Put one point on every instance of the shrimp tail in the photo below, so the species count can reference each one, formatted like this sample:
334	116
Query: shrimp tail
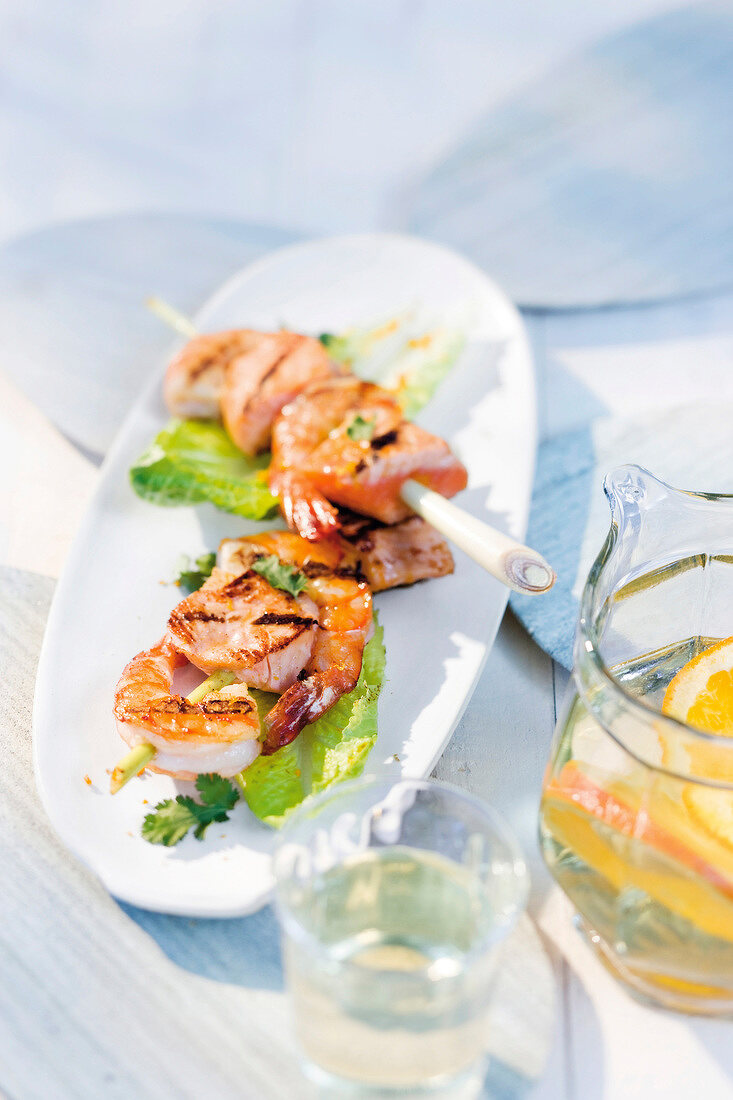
304	507
302	704
288	717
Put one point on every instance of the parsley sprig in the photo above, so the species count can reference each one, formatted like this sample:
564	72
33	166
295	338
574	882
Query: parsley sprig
280	574
191	575
360	428
173	817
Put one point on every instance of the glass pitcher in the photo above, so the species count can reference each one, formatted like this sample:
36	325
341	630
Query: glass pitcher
636	822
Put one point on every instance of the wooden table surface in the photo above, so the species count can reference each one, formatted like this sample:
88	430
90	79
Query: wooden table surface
99	1000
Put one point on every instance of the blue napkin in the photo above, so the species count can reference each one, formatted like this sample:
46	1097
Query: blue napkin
608	180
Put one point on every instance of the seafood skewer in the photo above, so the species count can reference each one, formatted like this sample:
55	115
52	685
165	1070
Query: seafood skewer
308	509
306	647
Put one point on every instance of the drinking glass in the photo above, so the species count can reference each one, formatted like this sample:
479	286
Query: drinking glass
394	899
636	821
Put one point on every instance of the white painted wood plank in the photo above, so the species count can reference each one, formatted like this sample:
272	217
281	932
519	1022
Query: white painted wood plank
635	361
90	1005
499	752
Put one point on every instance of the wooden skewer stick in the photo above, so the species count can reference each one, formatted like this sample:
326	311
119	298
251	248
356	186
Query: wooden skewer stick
139	757
515	565
170	316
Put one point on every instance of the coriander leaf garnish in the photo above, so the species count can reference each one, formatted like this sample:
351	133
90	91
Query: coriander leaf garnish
217	791
191	575
359	428
280	574
171	819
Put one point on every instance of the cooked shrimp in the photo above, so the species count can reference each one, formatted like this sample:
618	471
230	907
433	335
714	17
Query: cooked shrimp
345	441
244	377
344	604
264	378
194	380
219	734
239	622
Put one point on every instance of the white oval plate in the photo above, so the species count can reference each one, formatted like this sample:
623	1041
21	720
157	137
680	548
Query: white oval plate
110	602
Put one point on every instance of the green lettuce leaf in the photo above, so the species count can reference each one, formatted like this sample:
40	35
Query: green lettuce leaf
402	354
194	460
329	750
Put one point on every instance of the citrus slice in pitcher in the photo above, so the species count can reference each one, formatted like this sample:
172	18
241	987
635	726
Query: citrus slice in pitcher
701	694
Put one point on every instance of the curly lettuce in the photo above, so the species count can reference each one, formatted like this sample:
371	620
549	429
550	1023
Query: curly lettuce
191	461
329	750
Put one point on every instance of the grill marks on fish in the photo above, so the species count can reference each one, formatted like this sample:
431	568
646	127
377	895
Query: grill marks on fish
244	378
209	705
202	617
364	550
384	440
279	360
238	621
269	374
344	620
272	619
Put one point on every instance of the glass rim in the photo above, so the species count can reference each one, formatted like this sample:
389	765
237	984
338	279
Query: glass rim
499	930
587	643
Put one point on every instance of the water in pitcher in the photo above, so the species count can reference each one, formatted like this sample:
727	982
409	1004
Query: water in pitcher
645	855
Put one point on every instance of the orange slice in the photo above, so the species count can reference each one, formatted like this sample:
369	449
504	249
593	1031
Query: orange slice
692	877
701	694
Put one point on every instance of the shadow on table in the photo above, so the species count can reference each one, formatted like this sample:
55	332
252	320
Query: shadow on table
504	1083
586	1054
243	950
